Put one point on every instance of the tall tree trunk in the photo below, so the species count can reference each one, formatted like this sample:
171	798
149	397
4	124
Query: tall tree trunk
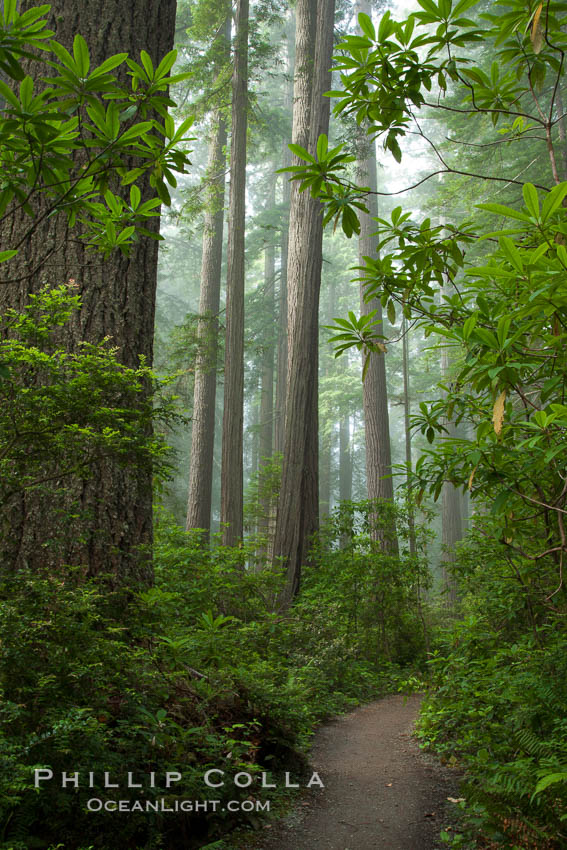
298	513
327	432
113	508
407	433
345	460
379	483
203	434
267	384
253	434
345	479
232	468
281	375
451	513
325	474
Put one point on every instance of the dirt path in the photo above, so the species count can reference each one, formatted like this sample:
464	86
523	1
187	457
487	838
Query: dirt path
380	790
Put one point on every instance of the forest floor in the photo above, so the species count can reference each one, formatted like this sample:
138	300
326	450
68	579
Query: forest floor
380	790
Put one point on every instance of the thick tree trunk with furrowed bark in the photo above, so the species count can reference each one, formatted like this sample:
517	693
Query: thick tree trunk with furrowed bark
112	510
281	374
298	509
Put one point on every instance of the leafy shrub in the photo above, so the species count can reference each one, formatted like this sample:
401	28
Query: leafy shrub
500	700
199	671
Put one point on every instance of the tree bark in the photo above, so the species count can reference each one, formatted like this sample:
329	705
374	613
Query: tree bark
112	509
451	512
407	433
298	510
325	475
281	375
267	380
379	481
203	434
232	439
345	461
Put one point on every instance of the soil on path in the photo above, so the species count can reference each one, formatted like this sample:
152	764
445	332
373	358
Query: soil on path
380	790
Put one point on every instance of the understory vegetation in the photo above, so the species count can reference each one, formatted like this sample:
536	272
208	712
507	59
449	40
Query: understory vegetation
199	672
497	700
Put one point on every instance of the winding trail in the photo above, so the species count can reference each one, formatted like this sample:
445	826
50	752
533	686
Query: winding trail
380	791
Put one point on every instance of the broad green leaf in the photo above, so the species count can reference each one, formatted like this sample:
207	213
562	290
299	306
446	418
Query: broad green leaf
511	253
553	200
531	199
322	147
366	25
302	153
166	64
9	95
63	55
136	131
147	63
469	325
7	255
81	54
109	65
500	209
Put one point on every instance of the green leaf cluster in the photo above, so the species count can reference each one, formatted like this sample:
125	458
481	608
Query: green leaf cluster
79	135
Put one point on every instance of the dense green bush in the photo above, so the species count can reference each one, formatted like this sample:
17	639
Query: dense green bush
499	698
200	671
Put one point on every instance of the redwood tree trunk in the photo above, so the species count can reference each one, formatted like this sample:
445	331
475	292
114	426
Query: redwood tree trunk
112	510
451	512
298	512
232	439
407	433
345	461
203	433
281	374
379	481
267	385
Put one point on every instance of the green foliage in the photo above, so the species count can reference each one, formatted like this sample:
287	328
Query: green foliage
67	147
373	597
62	413
499	701
198	672
84	689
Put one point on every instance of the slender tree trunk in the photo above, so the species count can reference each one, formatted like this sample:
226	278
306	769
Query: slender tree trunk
267	385
451	515
407	432
345	478
112	510
345	460
325	466
281	375
379	481
203	434
232	439
298	510
253	433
